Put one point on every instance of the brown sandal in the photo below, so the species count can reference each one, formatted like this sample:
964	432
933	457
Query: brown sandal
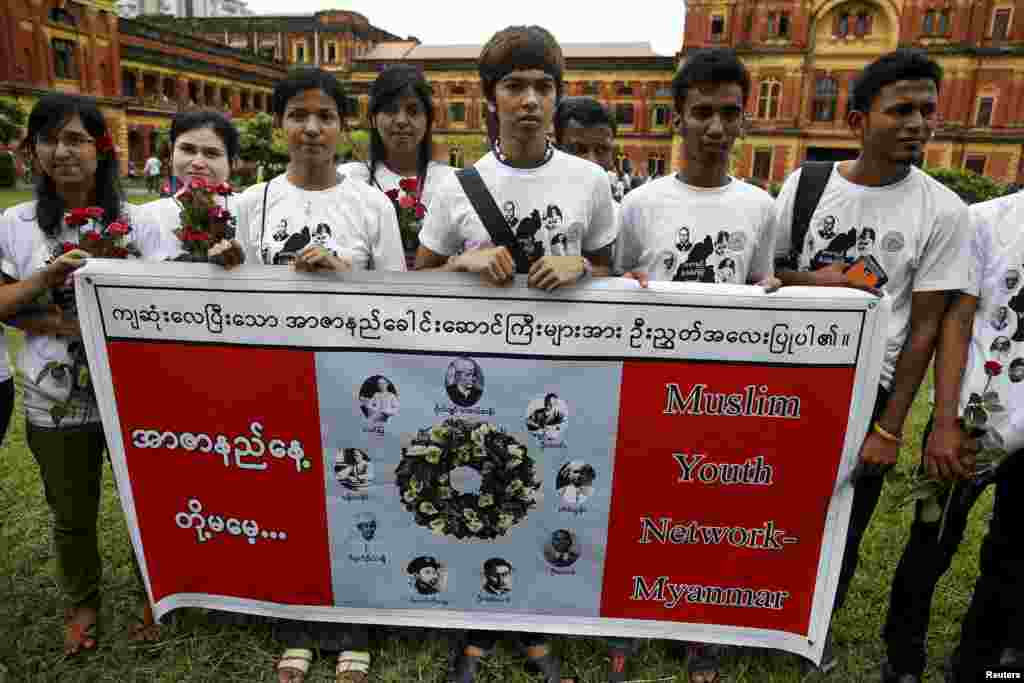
145	629
353	667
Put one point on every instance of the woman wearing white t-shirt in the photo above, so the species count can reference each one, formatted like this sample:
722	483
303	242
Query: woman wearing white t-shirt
69	143
317	220
204	144
401	137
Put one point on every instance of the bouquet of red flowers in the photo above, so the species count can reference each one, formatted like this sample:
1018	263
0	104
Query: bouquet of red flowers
204	223
410	210
100	238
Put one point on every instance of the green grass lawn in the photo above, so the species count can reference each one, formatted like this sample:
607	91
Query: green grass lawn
194	650
12	197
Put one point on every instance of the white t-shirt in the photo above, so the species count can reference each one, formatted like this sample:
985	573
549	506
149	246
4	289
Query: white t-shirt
675	231
917	229
154	236
350	219
152	166
45	361
388	180
997	279
562	208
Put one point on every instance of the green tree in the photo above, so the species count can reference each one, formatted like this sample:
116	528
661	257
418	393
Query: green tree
12	120
970	186
261	143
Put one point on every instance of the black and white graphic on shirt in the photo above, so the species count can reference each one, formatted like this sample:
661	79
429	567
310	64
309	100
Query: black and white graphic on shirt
322	234
511	214
721	243
836	249
1016	305
694	267
683	243
281	234
893	242
725	272
1000	318
866	241
1001	349
827	229
1011	280
1017	370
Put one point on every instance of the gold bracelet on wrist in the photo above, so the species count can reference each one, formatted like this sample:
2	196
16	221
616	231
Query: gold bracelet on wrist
886	434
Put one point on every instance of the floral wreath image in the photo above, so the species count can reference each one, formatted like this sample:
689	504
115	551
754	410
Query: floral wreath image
507	489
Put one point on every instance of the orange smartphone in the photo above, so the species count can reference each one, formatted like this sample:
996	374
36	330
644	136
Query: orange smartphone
866	271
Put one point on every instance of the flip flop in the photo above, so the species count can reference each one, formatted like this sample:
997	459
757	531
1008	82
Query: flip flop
79	638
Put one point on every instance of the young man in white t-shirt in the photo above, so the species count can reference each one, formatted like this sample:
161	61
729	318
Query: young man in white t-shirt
558	207
992	625
152	172
923	232
701	225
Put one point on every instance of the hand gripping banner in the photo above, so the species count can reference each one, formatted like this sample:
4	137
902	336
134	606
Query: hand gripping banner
416	449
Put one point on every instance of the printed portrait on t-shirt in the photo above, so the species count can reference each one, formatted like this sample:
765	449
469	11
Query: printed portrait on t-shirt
866	241
694	267
530	241
725	272
511	214
1016	304
683	243
1000	318
836	250
1016	372
1011	280
1001	348
322	234
721	243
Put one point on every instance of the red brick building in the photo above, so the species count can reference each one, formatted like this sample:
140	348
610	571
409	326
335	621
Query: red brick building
803	57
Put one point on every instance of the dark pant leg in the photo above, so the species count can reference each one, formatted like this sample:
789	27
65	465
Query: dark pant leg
925	559
71	465
998	602
485	640
317	635
6	404
866	491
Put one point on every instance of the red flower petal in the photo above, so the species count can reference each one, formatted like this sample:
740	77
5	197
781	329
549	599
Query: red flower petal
409	185
91	236
119	229
406	202
392	195
68	246
993	368
94	212
421	211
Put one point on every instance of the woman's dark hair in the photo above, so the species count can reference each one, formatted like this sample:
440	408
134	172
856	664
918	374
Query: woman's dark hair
393	83
50	114
899	65
194	120
713	65
308	78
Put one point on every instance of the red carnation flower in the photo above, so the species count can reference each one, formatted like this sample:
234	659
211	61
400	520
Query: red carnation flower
119	252
421	211
68	246
94	212
392	195
198	183
201	236
410	185
406	202
119	228
104	144
223	189
91	236
993	368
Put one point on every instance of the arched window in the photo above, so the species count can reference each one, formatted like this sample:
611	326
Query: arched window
842	27
768	102
826	92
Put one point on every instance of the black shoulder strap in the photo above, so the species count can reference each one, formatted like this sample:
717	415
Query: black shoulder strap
263	221
814	177
490	215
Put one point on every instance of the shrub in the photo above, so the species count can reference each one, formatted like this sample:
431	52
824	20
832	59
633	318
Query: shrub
8	170
970	186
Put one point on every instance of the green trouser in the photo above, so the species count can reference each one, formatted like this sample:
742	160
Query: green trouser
71	465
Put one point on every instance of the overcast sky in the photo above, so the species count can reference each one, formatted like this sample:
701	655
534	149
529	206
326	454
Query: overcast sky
445	22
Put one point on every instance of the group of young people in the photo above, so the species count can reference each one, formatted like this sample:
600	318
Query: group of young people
558	225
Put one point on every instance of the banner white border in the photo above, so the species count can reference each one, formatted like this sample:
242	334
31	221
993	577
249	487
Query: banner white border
100	273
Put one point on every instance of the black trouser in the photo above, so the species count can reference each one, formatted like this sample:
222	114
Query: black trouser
6	404
925	559
867	489
996	613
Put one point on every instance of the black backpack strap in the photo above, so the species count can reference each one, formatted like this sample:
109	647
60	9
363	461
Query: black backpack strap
490	215
263	220
814	177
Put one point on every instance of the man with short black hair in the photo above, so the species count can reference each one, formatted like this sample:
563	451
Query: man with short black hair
585	128
923	232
